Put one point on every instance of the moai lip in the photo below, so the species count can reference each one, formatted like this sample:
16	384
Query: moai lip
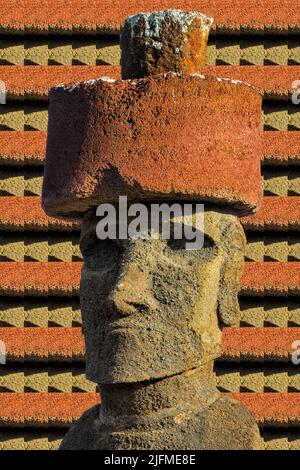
170	40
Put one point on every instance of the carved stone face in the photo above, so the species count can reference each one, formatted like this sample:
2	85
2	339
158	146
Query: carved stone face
152	309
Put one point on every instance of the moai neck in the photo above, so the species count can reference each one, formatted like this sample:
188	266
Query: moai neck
185	392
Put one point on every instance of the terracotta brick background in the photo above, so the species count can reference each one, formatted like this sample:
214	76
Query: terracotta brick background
42	43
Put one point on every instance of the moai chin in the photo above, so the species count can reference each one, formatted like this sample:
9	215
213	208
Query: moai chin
153	312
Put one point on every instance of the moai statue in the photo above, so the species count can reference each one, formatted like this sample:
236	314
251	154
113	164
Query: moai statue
153	312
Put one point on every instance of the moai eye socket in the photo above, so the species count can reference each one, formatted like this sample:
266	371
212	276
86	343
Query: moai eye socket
181	244
101	255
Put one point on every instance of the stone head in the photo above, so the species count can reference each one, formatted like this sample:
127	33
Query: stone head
151	308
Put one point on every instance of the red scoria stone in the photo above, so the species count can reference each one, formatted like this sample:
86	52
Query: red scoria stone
162	137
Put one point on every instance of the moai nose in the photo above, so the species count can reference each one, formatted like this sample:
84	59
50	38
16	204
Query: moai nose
132	292
165	41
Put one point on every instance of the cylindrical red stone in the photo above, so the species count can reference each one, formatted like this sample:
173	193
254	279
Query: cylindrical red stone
163	137
165	41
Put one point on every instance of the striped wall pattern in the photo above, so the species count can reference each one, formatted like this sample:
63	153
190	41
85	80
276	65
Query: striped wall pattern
42	386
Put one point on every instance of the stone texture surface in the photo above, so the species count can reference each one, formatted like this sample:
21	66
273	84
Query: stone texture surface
165	41
181	412
122	143
279	148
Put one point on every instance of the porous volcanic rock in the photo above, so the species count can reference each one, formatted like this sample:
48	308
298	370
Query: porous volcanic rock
167	136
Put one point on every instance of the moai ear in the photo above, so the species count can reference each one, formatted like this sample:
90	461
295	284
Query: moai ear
234	248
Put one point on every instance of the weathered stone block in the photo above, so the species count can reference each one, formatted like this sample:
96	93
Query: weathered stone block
165	137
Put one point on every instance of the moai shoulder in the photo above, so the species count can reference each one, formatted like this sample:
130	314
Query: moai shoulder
224	425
